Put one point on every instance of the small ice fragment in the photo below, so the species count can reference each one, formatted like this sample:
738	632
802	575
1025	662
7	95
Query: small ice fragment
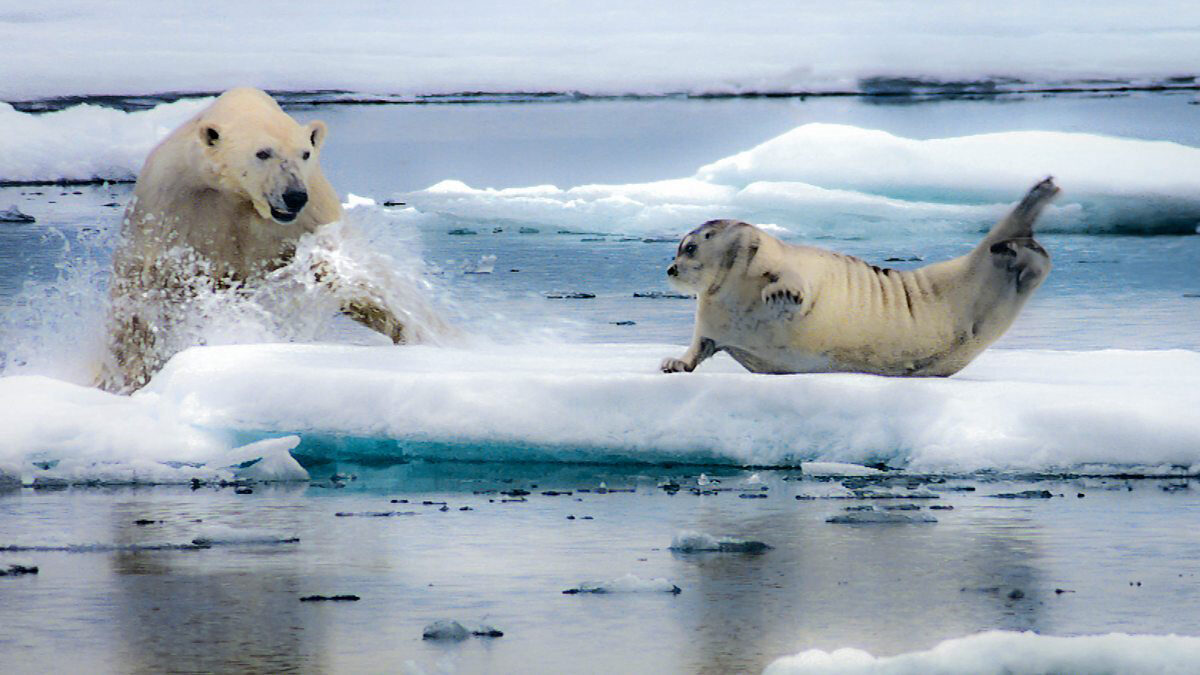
879	517
702	480
445	629
353	200
14	215
689	541
330	598
486	265
484	630
16	569
753	479
836	469
629	583
1024	494
268	460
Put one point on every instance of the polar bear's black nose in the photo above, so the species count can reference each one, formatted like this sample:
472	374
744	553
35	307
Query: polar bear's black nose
295	199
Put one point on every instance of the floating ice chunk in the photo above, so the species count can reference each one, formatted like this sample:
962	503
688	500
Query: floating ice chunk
689	541
837	469
445	629
1010	653
15	215
485	265
879	518
629	583
268	460
831	177
16	568
353	200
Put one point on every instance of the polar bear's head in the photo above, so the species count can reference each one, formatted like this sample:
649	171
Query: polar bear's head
269	159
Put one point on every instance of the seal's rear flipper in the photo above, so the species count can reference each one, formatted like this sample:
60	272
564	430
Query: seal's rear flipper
1018	224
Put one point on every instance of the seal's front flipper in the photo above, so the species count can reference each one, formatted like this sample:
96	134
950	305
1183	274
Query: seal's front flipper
700	349
1019	222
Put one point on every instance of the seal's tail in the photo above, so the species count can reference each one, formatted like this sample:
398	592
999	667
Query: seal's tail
1018	224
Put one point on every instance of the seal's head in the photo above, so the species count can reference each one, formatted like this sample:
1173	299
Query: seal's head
706	254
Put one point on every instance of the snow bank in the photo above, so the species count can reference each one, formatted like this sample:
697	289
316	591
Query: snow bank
79	47
1010	653
1093	412
85	142
828	178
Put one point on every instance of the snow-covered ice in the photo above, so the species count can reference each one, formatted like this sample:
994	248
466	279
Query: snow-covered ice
1010	653
829	178
74	47
814	180
1042	411
85	142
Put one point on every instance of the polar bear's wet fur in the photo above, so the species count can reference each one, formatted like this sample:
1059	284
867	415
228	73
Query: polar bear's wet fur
220	203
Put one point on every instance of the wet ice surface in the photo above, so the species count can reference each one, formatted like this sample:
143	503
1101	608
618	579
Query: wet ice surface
1109	561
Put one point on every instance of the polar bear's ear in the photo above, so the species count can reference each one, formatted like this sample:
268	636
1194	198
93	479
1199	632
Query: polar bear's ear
316	133
210	134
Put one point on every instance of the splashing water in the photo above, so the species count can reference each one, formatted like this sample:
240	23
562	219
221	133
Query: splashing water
57	327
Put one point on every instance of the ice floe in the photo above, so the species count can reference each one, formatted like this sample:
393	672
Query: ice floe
1010	653
820	179
75	47
1100	413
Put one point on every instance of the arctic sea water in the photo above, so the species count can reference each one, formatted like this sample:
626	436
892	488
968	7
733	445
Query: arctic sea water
501	208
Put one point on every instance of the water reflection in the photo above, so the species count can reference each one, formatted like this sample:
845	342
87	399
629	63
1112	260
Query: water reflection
231	609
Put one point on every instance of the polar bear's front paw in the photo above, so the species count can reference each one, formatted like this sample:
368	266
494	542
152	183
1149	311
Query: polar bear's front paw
673	365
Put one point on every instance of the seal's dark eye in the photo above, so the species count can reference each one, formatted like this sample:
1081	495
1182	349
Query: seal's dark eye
690	249
306	155
263	154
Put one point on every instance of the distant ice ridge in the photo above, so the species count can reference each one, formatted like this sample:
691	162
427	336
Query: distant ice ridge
1100	412
1010	653
619	46
821	179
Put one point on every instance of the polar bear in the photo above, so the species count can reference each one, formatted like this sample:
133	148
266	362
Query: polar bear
220	203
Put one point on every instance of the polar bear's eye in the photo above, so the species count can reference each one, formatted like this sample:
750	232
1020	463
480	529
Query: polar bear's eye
306	155
263	154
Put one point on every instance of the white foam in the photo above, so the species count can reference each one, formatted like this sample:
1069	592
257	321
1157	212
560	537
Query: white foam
79	47
1010	653
836	179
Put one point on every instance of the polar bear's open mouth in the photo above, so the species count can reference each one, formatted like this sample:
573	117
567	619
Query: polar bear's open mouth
283	216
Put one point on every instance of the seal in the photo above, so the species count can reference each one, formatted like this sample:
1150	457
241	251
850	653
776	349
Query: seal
781	308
